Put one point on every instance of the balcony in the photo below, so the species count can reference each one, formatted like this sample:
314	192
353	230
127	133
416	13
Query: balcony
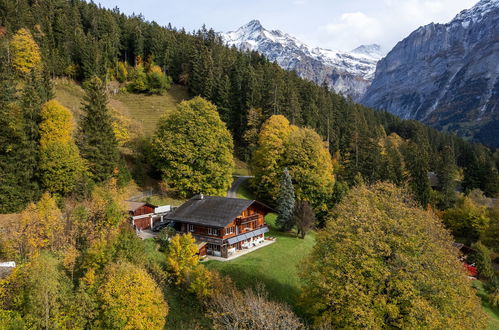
244	220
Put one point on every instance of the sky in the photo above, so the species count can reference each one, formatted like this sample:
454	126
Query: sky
333	24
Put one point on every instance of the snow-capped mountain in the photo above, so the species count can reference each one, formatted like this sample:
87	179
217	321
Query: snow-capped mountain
446	75
349	73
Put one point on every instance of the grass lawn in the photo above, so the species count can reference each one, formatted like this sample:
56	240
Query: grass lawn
493	312
276	266
244	191
240	168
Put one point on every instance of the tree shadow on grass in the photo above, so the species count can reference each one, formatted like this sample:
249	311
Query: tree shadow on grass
279	292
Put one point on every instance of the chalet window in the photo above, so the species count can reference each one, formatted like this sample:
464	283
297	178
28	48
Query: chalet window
229	231
190	227
212	231
213	247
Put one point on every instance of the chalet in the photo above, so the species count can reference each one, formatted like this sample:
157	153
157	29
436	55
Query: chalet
224	224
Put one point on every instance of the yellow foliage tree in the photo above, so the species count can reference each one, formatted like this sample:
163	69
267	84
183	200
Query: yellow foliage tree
131	299
267	159
25	52
383	263
302	151
60	163
181	257
40	225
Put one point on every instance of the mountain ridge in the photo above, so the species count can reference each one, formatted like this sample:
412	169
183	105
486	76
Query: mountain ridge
445	75
348	73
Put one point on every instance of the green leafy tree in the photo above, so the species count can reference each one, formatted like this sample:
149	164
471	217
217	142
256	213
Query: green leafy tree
41	292
130	299
481	257
193	149
285	202
311	167
97	142
467	219
60	163
383	262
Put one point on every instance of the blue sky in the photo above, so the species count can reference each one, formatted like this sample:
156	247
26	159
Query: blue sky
334	24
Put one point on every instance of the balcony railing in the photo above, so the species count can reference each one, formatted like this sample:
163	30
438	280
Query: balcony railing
250	218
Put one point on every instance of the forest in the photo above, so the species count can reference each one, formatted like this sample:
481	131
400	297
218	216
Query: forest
318	158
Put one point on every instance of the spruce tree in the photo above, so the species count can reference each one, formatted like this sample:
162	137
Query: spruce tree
97	141
285	202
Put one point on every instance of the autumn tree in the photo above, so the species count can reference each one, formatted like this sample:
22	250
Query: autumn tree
26	54
41	293
384	262
267	159
311	167
181	257
285	202
40	226
97	141
130	299
303	217
303	152
60	163
193	149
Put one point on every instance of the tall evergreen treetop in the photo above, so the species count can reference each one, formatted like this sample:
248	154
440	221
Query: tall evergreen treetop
97	142
286	202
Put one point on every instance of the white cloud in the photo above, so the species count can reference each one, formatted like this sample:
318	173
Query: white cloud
353	29
388	22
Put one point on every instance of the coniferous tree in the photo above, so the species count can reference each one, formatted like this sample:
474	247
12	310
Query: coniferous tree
417	164
447	173
97	142
285	202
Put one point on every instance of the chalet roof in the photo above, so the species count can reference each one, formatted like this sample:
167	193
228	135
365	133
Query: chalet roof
211	210
133	206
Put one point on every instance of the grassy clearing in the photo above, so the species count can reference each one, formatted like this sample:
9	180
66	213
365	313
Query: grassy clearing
493	312
240	168
144	109
276	266
147	109
244	191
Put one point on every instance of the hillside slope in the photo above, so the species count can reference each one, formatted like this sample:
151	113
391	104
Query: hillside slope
446	75
143	109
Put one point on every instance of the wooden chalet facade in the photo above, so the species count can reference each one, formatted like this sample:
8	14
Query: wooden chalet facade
224	224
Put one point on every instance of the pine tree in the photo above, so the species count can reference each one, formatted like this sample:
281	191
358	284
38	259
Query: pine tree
285	202
446	173
97	142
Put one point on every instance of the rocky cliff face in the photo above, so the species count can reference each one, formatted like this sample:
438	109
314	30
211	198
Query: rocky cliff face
446	75
348	73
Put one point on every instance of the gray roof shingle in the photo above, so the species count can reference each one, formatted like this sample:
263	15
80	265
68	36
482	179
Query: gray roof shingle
211	211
